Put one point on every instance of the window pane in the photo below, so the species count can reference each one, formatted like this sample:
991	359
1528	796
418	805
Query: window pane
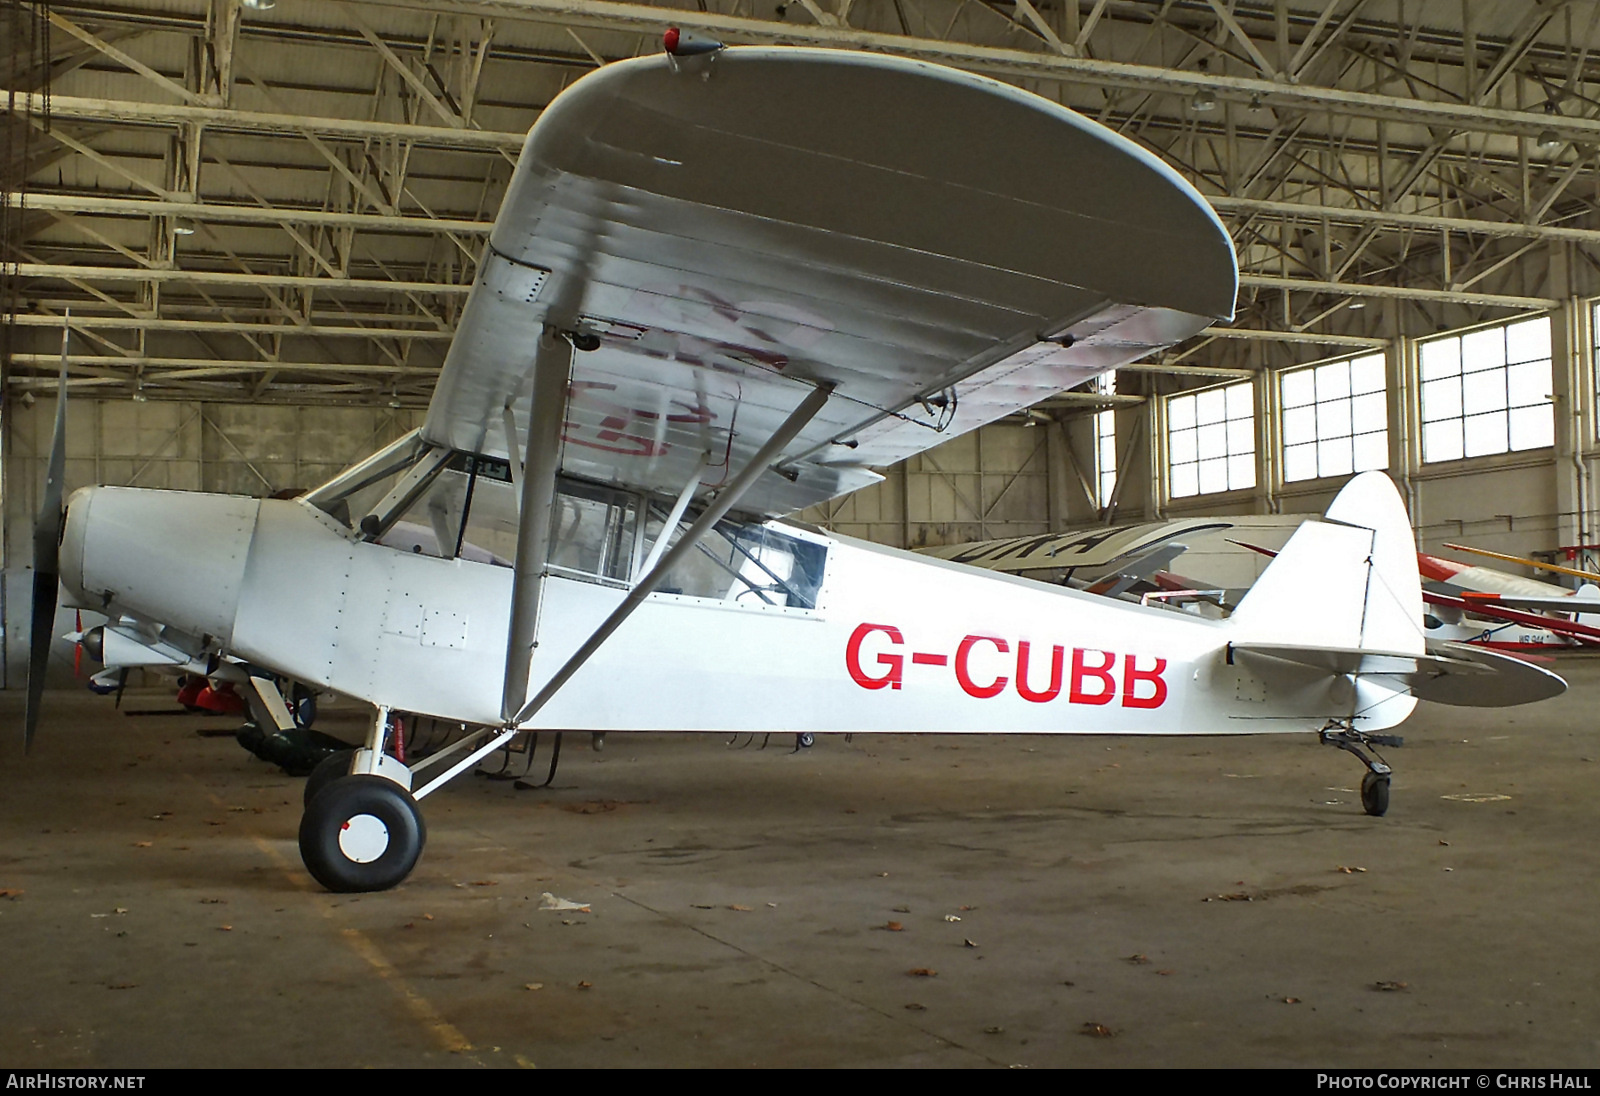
1299	388
1333	419
1299	462
1333	381
1210	407
1528	383
1242	472
1185	480
1484	434
1483	349
1441	399
1484	391
1440	358
1213	475
1371	451
1367	374
1241	400
1441	440
1528	340
1299	425
1180	412
1213	441
1334	458
1369	413
1533	427
1183	447
1241	436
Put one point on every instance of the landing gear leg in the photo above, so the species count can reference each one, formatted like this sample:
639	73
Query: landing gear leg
1375	782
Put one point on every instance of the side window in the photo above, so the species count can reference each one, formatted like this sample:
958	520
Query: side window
470	509
745	564
596	531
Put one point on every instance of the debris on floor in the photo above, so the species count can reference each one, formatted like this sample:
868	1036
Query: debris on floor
548	901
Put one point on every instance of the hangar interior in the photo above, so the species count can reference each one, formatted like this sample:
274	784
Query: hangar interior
263	217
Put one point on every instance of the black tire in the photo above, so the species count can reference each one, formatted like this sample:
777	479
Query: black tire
330	844
328	770
1375	794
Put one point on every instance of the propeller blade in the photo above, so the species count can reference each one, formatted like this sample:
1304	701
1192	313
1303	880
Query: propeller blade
46	555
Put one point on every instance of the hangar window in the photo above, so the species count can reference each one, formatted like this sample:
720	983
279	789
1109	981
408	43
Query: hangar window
1211	441
1105	443
1335	419
1487	391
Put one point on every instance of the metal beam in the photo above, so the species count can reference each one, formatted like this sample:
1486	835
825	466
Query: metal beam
1364	289
80	108
219	277
225	327
1392	219
642	19
213	366
381	222
1264	335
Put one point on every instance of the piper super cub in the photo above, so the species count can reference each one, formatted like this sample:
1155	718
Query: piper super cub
723	285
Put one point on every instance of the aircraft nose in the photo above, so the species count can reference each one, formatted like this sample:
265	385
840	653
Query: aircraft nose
169	557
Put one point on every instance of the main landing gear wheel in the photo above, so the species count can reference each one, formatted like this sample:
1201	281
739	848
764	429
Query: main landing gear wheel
1375	794
361	833
328	770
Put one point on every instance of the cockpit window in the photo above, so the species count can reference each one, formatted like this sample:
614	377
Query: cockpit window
746	564
418	498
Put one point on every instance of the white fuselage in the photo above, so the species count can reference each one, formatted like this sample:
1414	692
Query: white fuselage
897	642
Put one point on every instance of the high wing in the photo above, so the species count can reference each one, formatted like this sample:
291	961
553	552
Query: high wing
734	229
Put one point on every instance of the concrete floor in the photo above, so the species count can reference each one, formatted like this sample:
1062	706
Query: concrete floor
1190	897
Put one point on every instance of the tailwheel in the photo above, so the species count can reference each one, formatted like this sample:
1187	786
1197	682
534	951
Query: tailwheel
361	833
1375	781
1375	793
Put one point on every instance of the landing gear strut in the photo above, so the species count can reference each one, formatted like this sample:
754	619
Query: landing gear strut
1375	782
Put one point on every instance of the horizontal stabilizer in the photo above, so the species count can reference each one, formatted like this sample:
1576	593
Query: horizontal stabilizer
1453	673
1514	681
1357	660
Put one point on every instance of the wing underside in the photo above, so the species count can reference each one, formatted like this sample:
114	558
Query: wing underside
737	228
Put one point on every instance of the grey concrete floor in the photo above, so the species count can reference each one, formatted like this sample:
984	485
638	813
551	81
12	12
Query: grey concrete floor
1214	902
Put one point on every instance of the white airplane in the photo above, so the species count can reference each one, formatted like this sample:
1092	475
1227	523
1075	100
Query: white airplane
723	283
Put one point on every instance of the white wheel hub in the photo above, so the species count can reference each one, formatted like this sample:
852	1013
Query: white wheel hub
363	838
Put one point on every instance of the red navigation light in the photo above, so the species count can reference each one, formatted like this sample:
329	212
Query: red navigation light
670	40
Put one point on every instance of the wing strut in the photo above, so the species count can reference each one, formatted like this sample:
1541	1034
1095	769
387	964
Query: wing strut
760	463
676	516
552	365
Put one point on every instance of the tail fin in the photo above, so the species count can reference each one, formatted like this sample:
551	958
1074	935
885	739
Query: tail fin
1348	581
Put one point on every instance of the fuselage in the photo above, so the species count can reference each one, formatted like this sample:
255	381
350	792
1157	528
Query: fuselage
890	641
